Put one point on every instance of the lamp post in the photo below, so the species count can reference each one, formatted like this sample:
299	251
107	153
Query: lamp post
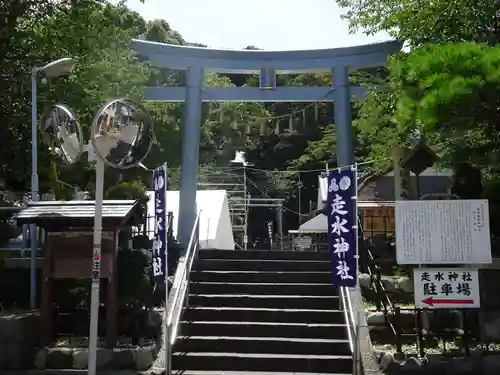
240	159
299	188
56	68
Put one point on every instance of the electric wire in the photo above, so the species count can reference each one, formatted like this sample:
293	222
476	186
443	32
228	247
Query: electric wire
291	113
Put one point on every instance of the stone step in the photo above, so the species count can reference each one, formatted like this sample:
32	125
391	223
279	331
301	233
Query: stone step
261	362
261	276
309	289
272	345
266	301
262	265
246	314
264	255
263	329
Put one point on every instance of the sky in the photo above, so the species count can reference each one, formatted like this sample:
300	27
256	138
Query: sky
267	24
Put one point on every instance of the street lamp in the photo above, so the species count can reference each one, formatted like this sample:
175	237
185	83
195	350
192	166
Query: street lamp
56	68
240	159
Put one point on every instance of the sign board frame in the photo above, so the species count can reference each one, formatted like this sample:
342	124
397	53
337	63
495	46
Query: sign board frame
446	288
443	232
267	78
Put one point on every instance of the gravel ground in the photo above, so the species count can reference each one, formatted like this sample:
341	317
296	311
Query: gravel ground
160	360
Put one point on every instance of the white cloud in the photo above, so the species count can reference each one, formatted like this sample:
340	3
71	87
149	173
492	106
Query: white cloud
267	24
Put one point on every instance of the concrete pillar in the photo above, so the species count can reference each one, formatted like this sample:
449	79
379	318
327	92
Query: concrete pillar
190	154
342	116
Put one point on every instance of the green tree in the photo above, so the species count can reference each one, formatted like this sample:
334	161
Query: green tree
96	34
450	92
420	22
438	90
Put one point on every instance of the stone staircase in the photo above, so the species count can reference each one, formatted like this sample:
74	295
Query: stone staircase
262	311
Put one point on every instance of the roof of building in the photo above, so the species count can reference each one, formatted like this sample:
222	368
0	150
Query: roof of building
64	214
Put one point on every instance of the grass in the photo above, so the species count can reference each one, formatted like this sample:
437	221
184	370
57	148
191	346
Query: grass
451	347
370	305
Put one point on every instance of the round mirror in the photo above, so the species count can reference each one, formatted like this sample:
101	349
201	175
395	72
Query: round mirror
122	133
62	133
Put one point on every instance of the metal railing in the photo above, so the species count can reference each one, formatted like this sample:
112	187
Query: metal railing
383	301
178	295
352	330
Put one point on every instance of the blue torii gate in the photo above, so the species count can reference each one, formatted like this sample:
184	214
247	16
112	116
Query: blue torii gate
196	61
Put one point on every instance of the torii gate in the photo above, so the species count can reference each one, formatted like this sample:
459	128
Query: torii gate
197	60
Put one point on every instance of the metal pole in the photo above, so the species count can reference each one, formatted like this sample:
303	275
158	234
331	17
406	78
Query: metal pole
34	186
245	227
356	216
166	335
280	213
300	205
96	266
166	332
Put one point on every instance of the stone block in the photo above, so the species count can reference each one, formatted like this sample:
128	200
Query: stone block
41	359
155	318
491	365
17	356
60	358
3	356
405	284
80	359
412	365
376	318
389	283
365	280
390	362
124	359
19	328
104	359
144	359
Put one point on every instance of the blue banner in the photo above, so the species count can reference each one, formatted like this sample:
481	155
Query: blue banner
159	258
342	225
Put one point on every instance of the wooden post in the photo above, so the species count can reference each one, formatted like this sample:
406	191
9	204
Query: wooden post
46	331
112	294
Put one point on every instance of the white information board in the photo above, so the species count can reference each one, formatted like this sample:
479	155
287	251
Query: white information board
443	232
446	288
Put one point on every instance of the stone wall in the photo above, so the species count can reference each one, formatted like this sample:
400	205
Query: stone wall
124	357
140	358
437	364
18	340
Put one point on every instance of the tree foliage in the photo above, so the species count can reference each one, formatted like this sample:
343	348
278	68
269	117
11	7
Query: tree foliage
444	89
422	22
450	91
97	34
444	92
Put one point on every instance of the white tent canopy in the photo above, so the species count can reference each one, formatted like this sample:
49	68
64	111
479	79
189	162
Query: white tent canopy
318	224
216	231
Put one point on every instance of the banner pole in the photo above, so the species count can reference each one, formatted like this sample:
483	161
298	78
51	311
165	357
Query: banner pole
165	325
159	256
356	218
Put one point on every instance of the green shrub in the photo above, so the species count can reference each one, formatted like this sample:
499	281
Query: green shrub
132	190
129	190
7	229
134	285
